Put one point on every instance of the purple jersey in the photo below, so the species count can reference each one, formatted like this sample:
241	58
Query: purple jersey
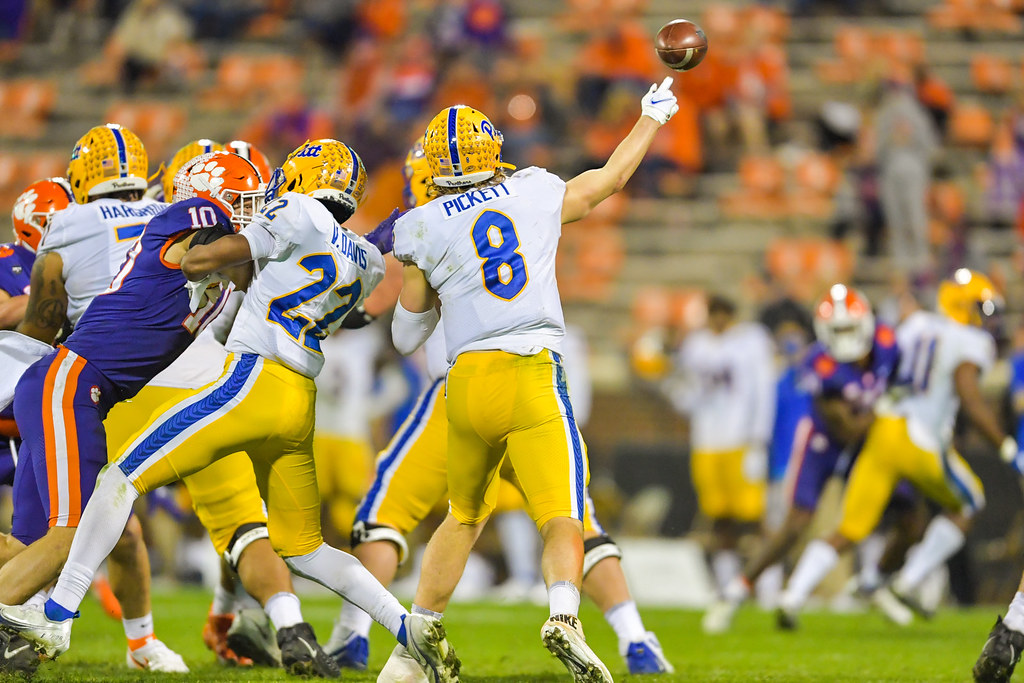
142	322
15	267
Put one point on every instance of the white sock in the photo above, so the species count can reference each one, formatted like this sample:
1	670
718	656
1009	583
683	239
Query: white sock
769	587
737	590
416	609
818	559
139	628
624	618
520	545
98	532
283	610
725	565
37	601
869	553
223	601
941	540
564	598
1014	618
344	575
353	620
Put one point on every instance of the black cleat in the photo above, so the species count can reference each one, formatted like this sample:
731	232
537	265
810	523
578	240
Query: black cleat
785	620
301	655
250	635
914	604
1000	654
19	657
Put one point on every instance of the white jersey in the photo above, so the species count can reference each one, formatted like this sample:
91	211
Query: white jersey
202	361
92	240
932	347
490	255
311	273
729	387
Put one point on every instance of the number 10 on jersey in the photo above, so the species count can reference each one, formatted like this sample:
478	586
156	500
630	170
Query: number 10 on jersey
497	243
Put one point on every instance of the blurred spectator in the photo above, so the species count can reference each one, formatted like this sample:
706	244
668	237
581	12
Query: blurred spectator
150	41
934	95
838	124
222	19
906	144
458	26
617	53
288	121
13	20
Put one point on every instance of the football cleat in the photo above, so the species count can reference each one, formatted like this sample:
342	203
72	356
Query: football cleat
349	649
891	606
1000	655
563	636
718	618
18	656
301	655
646	657
914	604
156	656
402	668
215	637
428	645
50	638
107	159
251	637
785	620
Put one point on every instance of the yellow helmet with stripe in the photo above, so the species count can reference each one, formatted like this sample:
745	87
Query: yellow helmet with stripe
417	176
325	169
107	159
181	157
969	297
462	147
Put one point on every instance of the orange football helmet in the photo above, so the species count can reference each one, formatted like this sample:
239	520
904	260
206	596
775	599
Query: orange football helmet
32	210
844	323
226	179
249	151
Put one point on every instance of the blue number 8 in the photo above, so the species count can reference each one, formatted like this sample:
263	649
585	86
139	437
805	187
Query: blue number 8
503	269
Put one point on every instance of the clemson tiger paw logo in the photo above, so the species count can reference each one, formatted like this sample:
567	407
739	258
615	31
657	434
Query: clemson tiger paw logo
94	393
207	177
26	205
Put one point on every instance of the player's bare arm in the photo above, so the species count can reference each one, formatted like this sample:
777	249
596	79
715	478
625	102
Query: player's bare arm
12	310
968	388
229	256
590	188
47	307
845	422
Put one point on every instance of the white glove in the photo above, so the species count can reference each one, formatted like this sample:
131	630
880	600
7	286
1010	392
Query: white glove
1008	449
197	291
755	463
660	102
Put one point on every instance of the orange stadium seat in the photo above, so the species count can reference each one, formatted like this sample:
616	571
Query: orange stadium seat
971	125
991	73
817	176
17	171
239	79
805	266
26	106
158	124
902	47
688	309
761	192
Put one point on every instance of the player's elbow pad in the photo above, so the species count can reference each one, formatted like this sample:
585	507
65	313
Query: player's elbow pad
410	330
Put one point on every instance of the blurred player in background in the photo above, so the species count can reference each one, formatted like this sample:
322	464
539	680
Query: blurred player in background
487	243
942	356
81	249
727	388
846	371
264	401
411	479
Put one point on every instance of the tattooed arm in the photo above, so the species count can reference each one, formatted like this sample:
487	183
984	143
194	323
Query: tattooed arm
47	300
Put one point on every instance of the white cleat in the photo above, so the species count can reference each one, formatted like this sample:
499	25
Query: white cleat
156	656
402	668
51	638
563	637
718	618
426	642
891	606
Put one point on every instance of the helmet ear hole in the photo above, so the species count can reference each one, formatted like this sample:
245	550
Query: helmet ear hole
292	184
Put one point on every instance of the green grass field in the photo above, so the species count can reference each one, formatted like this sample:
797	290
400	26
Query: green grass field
500	643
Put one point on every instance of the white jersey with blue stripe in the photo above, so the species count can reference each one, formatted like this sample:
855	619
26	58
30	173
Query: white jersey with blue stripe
490	255
92	240
316	272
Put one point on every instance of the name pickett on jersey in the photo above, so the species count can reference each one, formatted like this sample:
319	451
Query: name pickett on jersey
456	204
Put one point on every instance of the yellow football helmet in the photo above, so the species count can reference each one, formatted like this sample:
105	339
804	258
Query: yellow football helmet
417	175
183	155
109	158
462	147
325	169
969	297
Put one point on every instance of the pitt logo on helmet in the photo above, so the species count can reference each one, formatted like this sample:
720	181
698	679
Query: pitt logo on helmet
309	151
462	147
326	169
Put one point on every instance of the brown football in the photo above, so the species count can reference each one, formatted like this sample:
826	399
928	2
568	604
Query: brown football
681	44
